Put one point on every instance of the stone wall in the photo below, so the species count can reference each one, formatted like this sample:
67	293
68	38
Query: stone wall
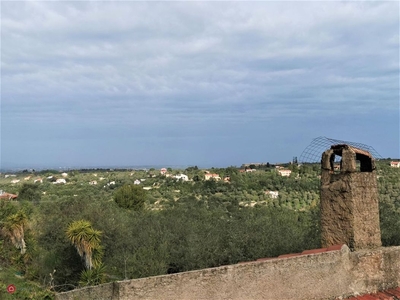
325	275
364	189
108	291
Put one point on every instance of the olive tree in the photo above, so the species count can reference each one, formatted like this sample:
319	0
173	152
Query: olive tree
130	196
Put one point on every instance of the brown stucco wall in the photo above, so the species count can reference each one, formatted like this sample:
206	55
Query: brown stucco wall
326	275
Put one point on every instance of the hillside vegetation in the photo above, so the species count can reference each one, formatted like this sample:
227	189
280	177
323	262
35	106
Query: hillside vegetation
107	225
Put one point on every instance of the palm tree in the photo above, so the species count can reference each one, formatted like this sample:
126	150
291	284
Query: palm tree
13	228
86	241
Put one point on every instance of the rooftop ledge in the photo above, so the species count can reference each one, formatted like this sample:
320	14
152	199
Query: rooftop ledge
327	273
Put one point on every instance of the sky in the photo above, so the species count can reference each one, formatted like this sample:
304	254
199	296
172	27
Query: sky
184	83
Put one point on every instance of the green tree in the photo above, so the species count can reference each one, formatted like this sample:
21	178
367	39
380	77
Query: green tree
130	196
389	223
29	192
86	241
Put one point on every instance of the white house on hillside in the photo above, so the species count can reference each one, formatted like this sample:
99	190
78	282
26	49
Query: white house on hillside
272	194
60	180
182	177
284	172
395	164
214	176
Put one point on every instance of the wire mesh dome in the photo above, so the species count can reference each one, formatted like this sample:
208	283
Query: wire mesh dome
313	152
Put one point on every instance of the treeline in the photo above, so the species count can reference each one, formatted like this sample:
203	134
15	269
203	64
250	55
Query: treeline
189	235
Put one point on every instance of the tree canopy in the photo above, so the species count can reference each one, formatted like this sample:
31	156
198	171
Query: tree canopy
130	196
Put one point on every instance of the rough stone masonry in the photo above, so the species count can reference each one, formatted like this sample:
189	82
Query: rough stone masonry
349	199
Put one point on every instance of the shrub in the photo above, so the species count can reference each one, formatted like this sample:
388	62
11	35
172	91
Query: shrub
130	196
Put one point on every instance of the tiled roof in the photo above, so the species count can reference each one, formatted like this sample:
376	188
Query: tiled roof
8	196
391	294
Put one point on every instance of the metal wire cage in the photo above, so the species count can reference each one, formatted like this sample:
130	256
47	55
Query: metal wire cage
313	152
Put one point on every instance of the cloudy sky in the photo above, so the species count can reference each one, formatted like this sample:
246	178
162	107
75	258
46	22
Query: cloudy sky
97	83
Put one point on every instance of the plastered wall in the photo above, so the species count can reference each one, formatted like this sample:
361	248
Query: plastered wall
326	275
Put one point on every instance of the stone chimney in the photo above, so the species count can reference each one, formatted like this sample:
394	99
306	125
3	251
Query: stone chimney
349	199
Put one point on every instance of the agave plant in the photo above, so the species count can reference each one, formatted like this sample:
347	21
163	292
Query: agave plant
93	276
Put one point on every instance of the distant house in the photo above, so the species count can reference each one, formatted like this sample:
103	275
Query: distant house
251	170
227	179
110	183
272	194
182	177
60	180
27	178
163	171
395	164
214	176
64	174
15	181
38	180
93	182
284	172
7	196
137	181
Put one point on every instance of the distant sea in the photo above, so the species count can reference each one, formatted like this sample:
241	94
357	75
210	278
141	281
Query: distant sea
30	168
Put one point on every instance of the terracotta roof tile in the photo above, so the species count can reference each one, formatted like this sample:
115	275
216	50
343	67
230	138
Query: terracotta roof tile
394	292
289	255
384	296
391	294
335	247
367	297
314	251
305	252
